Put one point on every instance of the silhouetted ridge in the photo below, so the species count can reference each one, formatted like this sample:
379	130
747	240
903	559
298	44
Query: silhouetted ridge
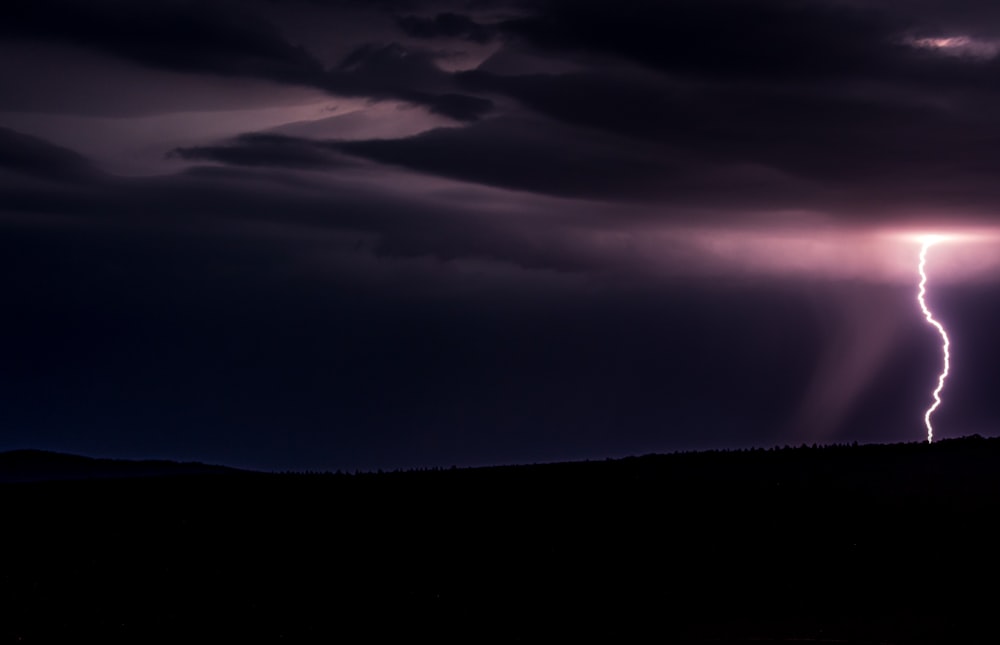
889	544
42	465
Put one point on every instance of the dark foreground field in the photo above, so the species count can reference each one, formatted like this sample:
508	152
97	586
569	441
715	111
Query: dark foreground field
869	544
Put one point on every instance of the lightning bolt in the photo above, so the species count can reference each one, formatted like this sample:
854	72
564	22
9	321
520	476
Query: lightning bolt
928	242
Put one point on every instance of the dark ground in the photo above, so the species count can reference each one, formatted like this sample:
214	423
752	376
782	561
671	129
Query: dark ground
864	544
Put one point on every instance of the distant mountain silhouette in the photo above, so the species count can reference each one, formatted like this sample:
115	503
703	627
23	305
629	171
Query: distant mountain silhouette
42	465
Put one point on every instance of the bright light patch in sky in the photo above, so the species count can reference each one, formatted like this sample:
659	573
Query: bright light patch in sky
929	241
869	256
958	46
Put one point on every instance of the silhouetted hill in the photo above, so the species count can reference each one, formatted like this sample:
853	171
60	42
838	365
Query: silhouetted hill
884	544
41	465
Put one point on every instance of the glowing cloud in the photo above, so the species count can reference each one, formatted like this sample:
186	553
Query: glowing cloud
958	46
927	242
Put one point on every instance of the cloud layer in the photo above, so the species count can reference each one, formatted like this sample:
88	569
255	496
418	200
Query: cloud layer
568	224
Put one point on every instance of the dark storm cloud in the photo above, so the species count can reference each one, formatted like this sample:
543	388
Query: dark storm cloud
27	155
385	223
393	71
814	133
521	156
836	97
526	155
730	153
209	37
265	150
776	39
460	107
795	44
448	25
826	90
722	104
879	164
769	104
228	39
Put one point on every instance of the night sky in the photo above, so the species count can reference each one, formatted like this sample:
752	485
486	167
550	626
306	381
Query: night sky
334	234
